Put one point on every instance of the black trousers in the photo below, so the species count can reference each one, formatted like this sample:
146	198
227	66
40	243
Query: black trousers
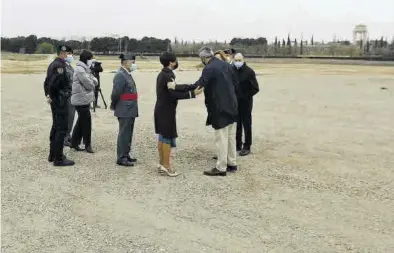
83	126
244	123
58	133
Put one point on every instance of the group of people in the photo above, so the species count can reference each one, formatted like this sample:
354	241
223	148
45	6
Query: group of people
67	90
227	82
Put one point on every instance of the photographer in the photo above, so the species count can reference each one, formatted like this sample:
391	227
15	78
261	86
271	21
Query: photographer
96	69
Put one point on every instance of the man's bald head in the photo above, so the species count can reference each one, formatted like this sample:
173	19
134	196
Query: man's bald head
238	57
238	60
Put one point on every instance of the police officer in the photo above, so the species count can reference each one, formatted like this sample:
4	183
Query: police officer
57	92
124	102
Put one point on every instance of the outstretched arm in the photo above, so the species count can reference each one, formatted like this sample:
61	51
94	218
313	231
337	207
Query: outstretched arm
203	81
182	94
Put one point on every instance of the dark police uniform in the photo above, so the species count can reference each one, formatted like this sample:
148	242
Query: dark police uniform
56	86
125	104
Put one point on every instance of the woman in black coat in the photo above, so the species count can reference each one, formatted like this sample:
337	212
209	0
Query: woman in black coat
168	93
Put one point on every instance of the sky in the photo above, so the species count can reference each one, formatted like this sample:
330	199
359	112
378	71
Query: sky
201	20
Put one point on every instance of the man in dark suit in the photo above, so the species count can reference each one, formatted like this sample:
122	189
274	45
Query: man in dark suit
220	85
248	87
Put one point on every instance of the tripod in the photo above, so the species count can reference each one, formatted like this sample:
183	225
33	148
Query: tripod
102	97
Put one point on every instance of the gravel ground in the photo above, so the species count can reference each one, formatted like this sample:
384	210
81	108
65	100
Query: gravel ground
320	179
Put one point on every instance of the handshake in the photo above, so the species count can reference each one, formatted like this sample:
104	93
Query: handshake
196	90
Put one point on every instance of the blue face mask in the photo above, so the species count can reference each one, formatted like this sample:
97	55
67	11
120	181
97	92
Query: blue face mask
69	58
238	64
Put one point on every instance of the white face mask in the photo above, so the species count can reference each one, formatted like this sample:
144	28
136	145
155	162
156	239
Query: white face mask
89	63
133	67
69	58
238	64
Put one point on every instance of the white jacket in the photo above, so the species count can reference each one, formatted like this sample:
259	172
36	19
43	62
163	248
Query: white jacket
83	85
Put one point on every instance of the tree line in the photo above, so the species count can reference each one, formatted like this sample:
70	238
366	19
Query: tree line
249	46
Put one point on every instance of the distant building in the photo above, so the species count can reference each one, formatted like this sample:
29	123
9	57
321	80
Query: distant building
360	34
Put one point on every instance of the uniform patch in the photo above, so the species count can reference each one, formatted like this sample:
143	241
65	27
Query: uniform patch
60	70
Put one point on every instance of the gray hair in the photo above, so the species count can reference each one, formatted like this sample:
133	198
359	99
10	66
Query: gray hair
205	52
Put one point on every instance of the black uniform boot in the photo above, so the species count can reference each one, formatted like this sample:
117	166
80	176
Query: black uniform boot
63	162
124	162
132	160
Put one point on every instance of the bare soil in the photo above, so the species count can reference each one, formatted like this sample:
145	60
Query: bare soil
320	177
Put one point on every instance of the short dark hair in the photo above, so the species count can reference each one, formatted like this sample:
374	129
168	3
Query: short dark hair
166	58
85	56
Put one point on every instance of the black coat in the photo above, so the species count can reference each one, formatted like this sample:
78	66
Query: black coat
248	85
57	86
166	103
220	89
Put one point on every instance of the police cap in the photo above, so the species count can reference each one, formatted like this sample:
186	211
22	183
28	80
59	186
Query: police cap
126	57
64	48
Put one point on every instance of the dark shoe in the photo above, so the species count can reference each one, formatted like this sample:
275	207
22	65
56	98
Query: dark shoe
124	162
215	172
51	158
132	160
63	162
77	148
215	157
89	150
244	152
67	144
232	168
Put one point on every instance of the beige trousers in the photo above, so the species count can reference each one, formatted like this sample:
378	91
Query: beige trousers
225	140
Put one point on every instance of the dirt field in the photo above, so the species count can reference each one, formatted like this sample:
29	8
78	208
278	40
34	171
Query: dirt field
320	179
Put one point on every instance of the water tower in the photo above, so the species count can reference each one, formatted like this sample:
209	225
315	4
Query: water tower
360	33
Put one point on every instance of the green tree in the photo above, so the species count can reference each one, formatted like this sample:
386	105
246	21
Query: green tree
45	48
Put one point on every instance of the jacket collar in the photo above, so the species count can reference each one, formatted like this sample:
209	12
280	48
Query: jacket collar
124	70
82	64
167	70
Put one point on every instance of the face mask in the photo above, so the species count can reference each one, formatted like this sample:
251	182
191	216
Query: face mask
238	64
69	58
89	63
133	67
